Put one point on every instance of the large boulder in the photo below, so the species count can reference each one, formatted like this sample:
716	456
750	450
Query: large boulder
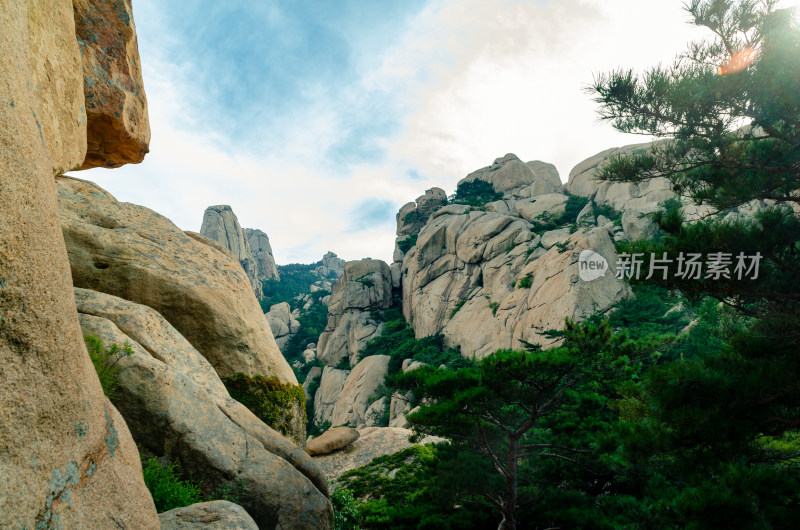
178	409
116	105
330	387
331	440
372	443
221	225
67	458
362	382
282	323
134	253
515	179
262	253
213	515
365	286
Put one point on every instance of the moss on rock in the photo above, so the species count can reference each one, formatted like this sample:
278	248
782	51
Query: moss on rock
282	406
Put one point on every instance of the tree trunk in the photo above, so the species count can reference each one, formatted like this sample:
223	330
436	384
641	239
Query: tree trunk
509	521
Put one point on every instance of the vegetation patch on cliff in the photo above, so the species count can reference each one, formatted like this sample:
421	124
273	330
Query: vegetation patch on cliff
275	403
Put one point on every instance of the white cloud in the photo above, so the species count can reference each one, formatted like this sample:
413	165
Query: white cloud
473	79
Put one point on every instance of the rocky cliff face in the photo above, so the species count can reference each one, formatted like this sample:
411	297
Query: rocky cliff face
261	251
132	252
221	225
364	286
492	277
67	458
178	409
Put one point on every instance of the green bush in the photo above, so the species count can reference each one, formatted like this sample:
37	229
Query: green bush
273	402
526	282
366	281
316	430
493	306
296	279
476	193
345	510
407	244
105	363
397	340
575	203
167	488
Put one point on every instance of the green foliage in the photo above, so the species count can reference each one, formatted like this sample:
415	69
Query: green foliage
493	306
408	243
345	515
366	281
526	282
105	362
575	203
546	222
343	364
167	488
316	430
697	428
401	491
312	323
296	279
652	310
606	211
476	193
275	403
232	492
524	409
397	340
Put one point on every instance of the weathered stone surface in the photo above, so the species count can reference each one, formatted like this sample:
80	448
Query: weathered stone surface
314	376
551	205
463	277
332	266
116	105
262	252
67	458
364	286
221	225
55	82
214	515
331	440
363	381
373	442
282	323
330	386
414	215
178	409
134	253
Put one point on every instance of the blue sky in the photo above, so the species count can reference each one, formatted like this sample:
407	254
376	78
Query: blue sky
317	120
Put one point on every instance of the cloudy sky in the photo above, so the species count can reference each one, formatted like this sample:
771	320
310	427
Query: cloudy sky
317	120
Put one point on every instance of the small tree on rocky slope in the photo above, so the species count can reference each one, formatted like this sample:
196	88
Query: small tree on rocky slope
497	413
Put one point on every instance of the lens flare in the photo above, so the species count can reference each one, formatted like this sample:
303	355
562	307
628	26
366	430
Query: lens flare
739	61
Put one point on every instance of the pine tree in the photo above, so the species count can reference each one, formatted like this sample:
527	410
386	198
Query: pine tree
728	111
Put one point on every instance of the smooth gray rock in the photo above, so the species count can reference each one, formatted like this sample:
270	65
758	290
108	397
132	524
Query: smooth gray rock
212	515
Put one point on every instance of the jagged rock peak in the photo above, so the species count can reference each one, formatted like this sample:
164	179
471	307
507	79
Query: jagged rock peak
262	253
516	179
221	225
332	266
